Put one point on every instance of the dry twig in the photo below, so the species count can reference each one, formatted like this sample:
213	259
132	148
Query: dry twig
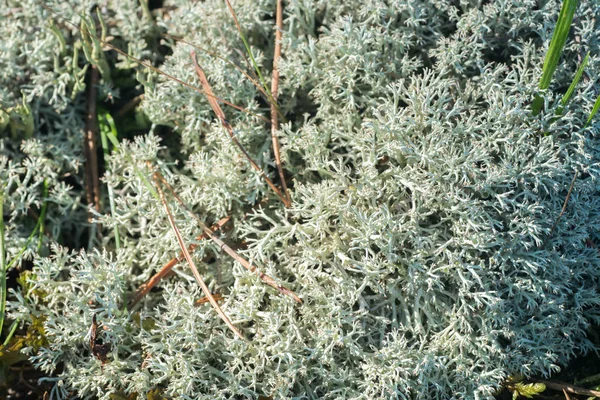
274	94
190	262
164	271
212	100
564	207
252	268
130	105
205	299
147	64
216	55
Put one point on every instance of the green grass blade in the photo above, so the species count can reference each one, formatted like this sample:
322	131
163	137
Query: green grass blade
108	129
254	63
39	227
567	97
557	44
248	50
594	111
13	328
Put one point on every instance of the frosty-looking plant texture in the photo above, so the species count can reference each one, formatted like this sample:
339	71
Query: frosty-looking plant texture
422	236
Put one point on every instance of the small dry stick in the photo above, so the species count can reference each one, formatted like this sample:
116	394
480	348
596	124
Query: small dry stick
90	150
569	388
212	100
190	262
204	299
564	207
264	277
153	281
274	92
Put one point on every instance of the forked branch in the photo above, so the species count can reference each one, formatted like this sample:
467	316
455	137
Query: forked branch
164	271
209	233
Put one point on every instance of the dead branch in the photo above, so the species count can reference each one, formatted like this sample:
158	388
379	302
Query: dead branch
190	262
164	271
212	100
232	253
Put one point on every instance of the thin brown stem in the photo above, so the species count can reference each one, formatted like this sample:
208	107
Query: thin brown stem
204	299
164	271
232	253
569	388
274	94
90	145
212	100
190	262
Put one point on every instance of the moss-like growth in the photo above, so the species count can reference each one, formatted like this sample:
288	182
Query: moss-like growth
422	237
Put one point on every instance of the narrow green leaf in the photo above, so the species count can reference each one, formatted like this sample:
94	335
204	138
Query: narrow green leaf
557	44
270	99
13	328
22	249
249	50
567	97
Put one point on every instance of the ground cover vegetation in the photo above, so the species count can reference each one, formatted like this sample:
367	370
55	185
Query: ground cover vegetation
298	199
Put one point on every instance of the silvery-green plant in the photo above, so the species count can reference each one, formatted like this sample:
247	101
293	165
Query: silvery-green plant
422	237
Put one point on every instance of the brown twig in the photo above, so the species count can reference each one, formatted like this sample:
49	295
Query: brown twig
274	94
564	207
190	262
164	271
569	388
205	299
232	253
90	145
212	100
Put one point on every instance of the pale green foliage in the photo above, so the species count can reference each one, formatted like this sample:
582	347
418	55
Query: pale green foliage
424	193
